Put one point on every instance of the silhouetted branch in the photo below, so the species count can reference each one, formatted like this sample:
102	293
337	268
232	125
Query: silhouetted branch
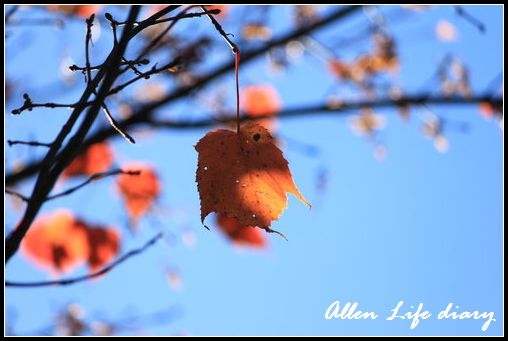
323	109
219	29
54	162
11	12
93	177
469	18
146	75
78	279
74	67
29	143
187	15
16	194
116	125
29	105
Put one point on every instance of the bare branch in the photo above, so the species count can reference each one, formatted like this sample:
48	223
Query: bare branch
101	272
29	105
54	162
146	75
16	194
115	124
93	177
323	109
469	18
29	143
219	29
139	62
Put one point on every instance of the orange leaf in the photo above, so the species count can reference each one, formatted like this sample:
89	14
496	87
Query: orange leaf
55	243
486	110
138	191
96	159
244	176
339	69
104	246
241	235
259	100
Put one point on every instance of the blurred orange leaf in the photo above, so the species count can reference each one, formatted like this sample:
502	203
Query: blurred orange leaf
445	31
244	176
59	242
55	243
241	235
139	191
104	245
486	110
83	11
260	100
338	68
96	159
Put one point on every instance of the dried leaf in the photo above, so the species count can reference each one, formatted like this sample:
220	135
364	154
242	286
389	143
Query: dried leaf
240	235
244	176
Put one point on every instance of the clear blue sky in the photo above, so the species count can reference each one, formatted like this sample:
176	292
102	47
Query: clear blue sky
421	226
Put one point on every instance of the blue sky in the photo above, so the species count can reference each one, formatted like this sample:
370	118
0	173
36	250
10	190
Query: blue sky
419	227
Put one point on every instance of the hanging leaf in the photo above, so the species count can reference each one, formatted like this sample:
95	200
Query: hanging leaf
244	176
55	243
249	236
140	191
96	159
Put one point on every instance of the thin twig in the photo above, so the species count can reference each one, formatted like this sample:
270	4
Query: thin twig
115	124
187	15
138	62
78	279
92	178
323	109
29	105
29	143
145	75
157	39
16	194
469	18
219	29
236	52
88	38
177	17
10	13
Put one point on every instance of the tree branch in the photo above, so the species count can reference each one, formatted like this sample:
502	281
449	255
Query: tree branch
54	163
324	109
93	177
144	113
101	272
29	143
